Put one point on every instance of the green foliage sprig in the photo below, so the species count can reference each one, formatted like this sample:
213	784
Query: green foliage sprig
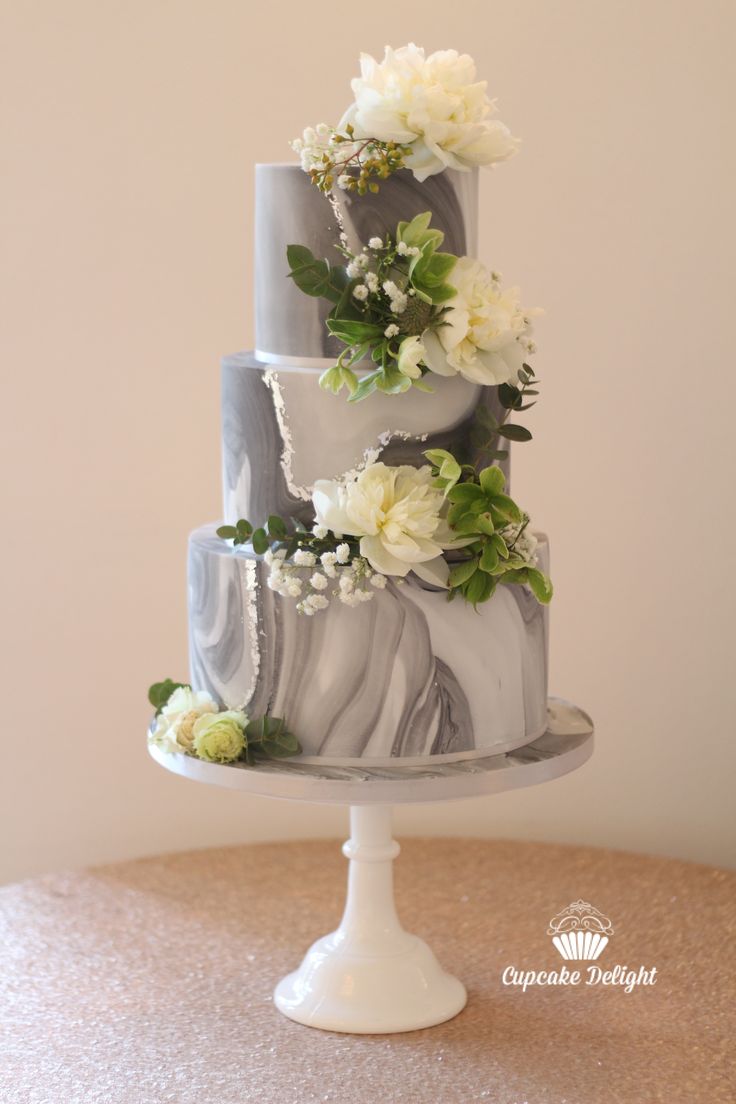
481	511
277	533
408	272
487	429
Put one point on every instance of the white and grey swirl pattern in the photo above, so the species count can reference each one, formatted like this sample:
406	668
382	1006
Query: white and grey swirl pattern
281	432
406	675
289	209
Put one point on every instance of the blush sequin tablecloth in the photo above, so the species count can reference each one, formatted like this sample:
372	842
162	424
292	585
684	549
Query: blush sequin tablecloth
150	982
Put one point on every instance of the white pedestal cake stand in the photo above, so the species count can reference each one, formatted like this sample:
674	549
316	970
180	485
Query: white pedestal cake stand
371	976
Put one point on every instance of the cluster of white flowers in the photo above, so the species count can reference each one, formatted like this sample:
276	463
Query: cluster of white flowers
521	541
315	142
336	578
357	266
376	243
405	250
397	297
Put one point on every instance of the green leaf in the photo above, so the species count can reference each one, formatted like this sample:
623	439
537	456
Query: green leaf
244	528
465	492
299	256
489	559
260	541
461	572
433	270
485	525
541	585
353	333
492	480
270	736
507	508
514	432
479	588
500	545
160	692
366	386
276	528
227	532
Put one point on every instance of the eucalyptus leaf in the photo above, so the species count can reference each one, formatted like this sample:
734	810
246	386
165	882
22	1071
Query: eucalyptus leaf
514	432
260	541
227	532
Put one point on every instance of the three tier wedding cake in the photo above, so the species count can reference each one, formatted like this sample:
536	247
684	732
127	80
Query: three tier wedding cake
374	595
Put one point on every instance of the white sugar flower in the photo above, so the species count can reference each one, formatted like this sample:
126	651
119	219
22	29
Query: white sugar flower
485	331
294	588
371	281
398	303
378	581
432	103
303	558
343	553
346	584
375	243
396	513
360	291
391	330
319	582
319	531
174	730
411	353
390	288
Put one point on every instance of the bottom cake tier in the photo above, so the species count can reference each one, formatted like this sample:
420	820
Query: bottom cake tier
407	676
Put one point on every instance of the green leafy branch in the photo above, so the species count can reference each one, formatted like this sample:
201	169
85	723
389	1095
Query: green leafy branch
487	429
278	533
410	261
481	511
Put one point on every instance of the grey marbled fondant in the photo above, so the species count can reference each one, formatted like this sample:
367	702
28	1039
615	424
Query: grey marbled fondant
290	209
281	432
406	675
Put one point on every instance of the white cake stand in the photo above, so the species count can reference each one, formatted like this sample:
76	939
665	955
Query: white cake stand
370	976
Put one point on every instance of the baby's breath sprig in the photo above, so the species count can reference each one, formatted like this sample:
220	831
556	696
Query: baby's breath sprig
335	158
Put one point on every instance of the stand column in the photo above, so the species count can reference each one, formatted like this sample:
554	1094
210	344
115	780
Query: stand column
370	976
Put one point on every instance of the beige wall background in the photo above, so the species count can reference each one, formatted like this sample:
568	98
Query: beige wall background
129	133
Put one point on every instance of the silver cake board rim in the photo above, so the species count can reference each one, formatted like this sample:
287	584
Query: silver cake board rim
566	745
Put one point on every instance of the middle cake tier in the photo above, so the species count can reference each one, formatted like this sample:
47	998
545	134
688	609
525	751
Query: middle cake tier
406	676
281	432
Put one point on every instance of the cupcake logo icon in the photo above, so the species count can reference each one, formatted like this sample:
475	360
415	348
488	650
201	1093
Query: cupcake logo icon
580	932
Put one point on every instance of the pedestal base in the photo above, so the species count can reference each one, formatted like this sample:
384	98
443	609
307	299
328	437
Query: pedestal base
370	976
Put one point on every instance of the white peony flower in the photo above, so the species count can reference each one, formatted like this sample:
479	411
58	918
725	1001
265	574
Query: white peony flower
411	353
397	514
174	731
485	335
432	103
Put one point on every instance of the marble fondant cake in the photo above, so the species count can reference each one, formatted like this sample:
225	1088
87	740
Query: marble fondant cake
365	450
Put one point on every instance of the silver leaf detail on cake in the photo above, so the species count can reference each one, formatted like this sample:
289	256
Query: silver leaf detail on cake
405	675
281	433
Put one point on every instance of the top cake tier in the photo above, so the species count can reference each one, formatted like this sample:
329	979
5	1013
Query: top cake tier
289	209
